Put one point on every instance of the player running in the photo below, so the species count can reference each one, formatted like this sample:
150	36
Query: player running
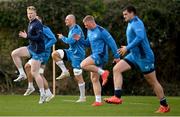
99	40
140	56
75	54
50	39
35	50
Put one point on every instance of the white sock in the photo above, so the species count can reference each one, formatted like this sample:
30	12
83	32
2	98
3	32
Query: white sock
42	92
98	98
82	90
48	92
61	65
30	85
21	71
100	71
117	88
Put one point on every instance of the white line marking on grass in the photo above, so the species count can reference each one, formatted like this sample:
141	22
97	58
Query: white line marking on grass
68	100
137	103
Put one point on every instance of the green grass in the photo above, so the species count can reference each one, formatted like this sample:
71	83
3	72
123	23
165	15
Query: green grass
17	105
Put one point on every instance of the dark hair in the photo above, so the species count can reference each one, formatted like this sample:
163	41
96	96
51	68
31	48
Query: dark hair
130	9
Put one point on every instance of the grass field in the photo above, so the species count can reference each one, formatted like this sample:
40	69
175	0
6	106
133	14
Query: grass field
18	105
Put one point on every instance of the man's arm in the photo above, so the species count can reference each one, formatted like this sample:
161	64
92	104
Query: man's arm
85	42
108	39
51	38
70	39
139	31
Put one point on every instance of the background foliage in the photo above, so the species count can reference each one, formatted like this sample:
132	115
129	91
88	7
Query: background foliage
161	19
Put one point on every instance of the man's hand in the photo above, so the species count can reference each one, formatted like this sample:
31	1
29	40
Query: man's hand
122	51
23	34
76	37
60	36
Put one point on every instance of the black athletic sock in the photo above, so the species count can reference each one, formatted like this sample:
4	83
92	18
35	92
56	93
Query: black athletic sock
163	102
117	93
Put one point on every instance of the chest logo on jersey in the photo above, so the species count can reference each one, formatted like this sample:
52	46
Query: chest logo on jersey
94	36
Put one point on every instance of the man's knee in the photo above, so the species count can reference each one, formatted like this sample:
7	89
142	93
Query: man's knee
120	68
13	53
115	68
27	66
94	79
58	54
34	73
82	65
54	54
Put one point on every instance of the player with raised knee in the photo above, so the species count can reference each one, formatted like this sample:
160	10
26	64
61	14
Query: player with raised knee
75	54
140	56
35	50
99	39
50	39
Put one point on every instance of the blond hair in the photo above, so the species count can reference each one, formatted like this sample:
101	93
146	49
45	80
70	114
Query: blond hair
31	8
89	18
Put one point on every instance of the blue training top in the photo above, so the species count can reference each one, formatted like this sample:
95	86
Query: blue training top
137	40
100	39
75	46
35	36
49	38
